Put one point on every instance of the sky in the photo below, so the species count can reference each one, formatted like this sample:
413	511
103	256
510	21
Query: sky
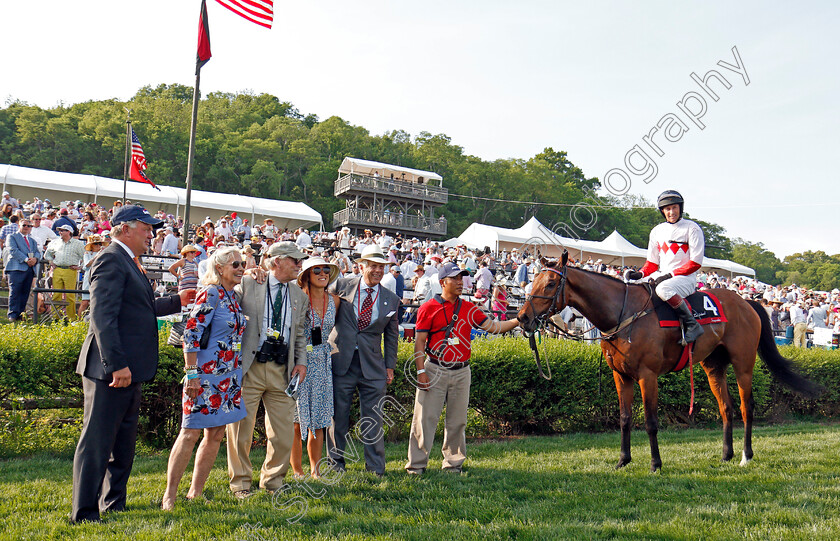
505	80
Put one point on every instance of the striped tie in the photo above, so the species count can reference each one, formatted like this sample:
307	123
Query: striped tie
367	309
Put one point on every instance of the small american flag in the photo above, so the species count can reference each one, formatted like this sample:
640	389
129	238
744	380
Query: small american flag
260	12
138	162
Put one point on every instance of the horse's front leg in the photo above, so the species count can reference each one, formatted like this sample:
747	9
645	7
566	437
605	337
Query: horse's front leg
624	386
650	396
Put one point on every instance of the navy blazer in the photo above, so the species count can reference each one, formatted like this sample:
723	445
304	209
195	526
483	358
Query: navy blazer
123	319
19	251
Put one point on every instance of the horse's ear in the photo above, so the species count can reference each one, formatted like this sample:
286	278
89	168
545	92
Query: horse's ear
545	262
565	258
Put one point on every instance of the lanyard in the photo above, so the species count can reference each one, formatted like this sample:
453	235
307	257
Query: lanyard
232	300
359	308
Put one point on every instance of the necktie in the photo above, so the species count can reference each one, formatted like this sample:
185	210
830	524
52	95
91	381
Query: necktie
139	266
26	240
366	310
277	308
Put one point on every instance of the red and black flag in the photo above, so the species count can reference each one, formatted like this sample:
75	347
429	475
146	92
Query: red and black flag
138	162
203	54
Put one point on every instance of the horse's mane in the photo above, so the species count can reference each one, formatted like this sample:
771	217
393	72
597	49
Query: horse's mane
555	263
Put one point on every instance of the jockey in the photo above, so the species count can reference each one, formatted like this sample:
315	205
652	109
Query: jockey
675	253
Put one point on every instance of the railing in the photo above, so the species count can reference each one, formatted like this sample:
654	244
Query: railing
389	220
393	188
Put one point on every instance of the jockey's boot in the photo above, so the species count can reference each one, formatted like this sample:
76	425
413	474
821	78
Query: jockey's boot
692	329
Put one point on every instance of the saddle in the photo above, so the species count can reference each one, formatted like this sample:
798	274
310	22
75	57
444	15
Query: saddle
706	309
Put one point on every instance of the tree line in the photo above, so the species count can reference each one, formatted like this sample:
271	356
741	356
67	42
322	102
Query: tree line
257	145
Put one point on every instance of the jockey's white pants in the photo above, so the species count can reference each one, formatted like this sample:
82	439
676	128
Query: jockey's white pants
678	285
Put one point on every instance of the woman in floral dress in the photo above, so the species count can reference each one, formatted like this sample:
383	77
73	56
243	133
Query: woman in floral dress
212	385
314	410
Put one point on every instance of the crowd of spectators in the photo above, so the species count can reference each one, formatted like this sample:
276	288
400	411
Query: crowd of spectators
497	282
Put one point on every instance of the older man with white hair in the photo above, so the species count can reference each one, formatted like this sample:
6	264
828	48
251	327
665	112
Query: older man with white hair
273	354
367	312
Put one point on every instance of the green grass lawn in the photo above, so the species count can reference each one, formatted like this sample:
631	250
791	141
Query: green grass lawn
561	487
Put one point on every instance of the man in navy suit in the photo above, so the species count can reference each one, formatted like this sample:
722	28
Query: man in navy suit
366	312
119	353
23	258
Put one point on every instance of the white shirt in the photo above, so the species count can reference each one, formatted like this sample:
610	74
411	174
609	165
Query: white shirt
673	245
170	244
385	242
304	240
483	278
41	235
797	315
286	313
361	295
408	267
389	283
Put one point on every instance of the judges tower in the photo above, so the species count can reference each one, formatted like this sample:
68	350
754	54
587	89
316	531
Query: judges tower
383	196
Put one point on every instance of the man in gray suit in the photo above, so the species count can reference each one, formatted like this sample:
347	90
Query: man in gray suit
366	311
273	352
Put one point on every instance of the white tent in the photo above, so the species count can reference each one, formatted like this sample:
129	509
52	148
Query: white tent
356	166
26	183
613	250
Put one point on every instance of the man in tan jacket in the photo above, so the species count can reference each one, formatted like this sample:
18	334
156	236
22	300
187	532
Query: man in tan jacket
273	352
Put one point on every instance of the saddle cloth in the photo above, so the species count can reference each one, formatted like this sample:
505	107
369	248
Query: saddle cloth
705	307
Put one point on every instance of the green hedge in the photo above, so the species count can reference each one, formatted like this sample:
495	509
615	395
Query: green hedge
507	396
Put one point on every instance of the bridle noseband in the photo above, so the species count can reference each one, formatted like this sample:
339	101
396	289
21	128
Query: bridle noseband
559	291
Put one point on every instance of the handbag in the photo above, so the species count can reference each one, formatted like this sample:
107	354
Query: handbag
176	334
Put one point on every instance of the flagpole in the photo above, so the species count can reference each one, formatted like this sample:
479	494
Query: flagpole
127	152
191	154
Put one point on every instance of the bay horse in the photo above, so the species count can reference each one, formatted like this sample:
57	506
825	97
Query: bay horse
638	349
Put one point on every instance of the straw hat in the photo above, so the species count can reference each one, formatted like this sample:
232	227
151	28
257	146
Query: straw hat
93	240
317	262
372	254
188	248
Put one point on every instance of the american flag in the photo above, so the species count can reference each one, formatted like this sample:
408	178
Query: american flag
138	162
260	12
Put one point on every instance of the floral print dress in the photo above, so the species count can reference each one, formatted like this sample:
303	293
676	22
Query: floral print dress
220	365
315	399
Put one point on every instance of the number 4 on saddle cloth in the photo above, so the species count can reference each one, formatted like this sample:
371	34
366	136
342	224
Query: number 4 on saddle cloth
705	308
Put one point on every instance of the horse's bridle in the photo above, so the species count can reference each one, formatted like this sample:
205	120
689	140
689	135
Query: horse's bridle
559	290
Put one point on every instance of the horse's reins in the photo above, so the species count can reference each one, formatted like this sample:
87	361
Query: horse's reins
544	320
558	292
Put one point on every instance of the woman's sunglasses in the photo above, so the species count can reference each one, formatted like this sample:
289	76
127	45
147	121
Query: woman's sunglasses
237	264
318	270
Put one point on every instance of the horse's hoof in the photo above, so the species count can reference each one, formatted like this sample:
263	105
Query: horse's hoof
744	459
622	463
726	458
656	469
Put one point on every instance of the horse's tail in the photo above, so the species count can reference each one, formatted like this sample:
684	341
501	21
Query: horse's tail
779	366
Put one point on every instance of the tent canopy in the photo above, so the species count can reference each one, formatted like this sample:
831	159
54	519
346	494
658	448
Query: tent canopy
28	183
367	168
613	250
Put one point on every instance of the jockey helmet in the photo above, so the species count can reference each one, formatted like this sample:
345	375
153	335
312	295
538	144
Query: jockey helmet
670	197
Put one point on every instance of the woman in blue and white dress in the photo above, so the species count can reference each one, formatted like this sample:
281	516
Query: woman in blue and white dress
314	410
212	396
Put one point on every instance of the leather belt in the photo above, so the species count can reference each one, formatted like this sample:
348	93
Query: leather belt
449	365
